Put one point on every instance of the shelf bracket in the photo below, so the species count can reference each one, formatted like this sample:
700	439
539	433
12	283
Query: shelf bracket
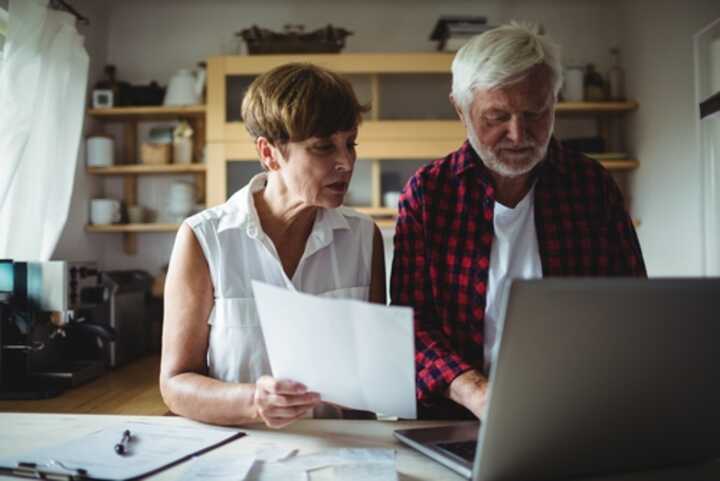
130	243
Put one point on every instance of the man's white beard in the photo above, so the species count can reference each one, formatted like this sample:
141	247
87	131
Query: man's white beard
508	167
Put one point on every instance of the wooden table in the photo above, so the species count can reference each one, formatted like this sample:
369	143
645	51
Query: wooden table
130	389
306	436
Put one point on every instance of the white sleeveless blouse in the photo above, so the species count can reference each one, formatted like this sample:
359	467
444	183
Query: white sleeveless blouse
336	263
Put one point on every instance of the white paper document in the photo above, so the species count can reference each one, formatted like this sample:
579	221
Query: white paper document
355	354
203	469
347	464
151	447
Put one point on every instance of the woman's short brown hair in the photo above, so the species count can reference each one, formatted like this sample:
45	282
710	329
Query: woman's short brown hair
296	101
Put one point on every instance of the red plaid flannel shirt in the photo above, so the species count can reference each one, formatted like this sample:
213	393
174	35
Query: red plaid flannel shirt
442	249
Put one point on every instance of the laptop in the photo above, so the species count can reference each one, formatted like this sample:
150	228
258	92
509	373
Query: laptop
594	376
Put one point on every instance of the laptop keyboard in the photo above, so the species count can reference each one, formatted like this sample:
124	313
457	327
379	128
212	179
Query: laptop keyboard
463	449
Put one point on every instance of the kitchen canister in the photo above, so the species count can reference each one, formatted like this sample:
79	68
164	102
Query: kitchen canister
573	90
99	152
104	211
181	200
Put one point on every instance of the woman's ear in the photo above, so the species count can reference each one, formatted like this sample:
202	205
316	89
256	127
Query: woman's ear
268	154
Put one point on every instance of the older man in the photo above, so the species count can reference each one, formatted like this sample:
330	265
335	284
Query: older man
510	203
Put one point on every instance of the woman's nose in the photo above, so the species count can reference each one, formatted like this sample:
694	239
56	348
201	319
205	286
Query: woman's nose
345	160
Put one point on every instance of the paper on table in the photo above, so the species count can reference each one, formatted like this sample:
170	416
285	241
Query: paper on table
334	457
355	354
152	447
366	472
348	464
202	468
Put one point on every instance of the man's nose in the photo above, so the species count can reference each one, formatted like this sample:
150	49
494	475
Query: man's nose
516	129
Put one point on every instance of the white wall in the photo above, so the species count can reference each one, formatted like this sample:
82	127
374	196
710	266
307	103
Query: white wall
657	39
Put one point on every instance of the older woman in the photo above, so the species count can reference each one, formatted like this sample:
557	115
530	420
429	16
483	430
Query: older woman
285	227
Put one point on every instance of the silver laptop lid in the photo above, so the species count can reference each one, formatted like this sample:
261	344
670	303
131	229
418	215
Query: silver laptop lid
603	375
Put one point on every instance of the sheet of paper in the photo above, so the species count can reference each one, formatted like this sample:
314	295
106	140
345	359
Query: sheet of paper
152	446
355	354
348	464
334	457
217	469
366	472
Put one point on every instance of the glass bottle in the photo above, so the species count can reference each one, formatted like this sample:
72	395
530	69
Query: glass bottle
594	85
616	77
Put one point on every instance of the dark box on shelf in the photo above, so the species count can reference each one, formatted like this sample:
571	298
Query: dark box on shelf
294	40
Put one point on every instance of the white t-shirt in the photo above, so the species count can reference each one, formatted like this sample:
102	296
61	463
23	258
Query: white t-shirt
514	255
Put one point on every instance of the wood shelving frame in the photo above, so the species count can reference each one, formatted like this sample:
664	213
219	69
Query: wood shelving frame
130	168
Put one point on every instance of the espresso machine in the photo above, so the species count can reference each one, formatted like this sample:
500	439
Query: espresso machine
48	341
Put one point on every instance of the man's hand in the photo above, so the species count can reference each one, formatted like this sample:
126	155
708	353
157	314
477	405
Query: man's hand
279	402
470	390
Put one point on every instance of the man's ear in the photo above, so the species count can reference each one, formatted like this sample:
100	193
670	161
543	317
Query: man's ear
458	109
268	154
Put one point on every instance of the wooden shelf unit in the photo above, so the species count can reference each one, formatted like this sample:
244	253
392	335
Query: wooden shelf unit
142	169
379	139
129	169
131	228
154	112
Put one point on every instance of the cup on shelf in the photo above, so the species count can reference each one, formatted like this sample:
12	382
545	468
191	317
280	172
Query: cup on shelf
572	89
181	200
136	214
391	199
99	151
104	211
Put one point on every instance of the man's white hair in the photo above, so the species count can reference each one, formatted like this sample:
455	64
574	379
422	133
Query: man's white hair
499	57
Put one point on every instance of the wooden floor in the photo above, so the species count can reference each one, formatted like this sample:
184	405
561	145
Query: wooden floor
131	389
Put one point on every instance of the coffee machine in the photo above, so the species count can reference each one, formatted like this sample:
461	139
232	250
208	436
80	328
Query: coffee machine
40	328
117	301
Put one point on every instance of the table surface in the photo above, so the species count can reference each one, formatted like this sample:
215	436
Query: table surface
306	435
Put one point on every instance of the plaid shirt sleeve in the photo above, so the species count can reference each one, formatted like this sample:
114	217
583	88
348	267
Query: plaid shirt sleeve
630	260
436	363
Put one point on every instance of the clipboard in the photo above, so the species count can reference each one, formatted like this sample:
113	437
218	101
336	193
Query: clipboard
156	447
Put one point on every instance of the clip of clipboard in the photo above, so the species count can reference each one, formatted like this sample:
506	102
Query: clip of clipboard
38	471
57	470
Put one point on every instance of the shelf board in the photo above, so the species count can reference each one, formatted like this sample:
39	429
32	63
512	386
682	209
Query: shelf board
148	169
346	63
596	107
620	165
154	112
115	228
376	211
386	223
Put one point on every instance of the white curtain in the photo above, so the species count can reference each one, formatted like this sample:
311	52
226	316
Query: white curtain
43	79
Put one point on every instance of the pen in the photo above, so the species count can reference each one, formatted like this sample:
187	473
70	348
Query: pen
122	447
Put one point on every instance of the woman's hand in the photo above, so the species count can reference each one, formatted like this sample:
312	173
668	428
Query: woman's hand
279	402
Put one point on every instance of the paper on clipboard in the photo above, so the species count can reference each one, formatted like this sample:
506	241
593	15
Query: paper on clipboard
355	354
153	447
